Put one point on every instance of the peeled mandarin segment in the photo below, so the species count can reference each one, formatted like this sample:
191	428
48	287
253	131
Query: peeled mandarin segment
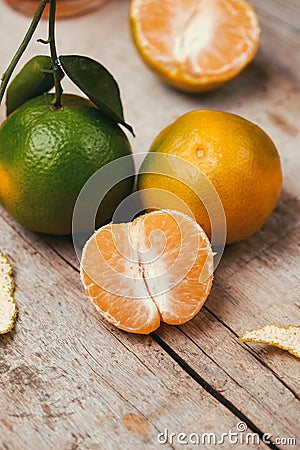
175	279
186	299
195	44
134	315
157	268
287	338
113	280
8	306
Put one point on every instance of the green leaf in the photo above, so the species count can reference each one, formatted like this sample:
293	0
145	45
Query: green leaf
30	82
97	83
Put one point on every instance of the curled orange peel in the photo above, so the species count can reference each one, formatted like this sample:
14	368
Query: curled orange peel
285	337
8	306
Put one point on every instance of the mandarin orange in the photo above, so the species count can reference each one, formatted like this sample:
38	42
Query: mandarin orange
195	45
158	268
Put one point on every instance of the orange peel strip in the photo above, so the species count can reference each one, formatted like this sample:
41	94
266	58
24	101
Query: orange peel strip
8	306
284	337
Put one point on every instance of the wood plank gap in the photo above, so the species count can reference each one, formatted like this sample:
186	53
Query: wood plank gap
62	256
36	243
245	346
208	388
213	361
172	353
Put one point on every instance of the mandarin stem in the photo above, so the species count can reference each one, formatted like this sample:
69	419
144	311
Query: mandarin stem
34	23
58	89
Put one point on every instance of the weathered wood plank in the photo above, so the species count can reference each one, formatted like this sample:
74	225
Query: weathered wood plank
270	295
231	369
278	268
288	13
236	374
267	92
69	381
64	395
248	293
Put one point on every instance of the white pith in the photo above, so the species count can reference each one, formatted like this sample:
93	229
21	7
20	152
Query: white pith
287	338
148	281
193	34
8	307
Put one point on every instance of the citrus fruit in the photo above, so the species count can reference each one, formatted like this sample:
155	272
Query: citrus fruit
158	268
47	155
30	82
238	158
8	307
64	8
195	45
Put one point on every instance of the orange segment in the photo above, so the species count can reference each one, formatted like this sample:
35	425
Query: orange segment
157	268
195	44
179	280
113	280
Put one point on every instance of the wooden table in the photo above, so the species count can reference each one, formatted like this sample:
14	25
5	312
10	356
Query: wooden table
71	381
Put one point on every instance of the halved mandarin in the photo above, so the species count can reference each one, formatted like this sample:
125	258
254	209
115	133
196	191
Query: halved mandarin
158	268
195	45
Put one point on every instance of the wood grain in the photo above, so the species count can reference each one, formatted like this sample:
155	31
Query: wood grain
70	381
244	374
